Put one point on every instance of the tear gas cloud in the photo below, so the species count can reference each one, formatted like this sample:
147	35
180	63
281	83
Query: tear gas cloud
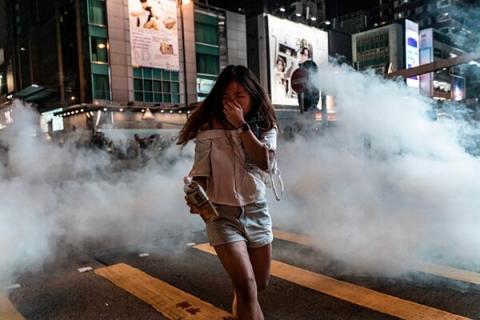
387	187
383	190
53	196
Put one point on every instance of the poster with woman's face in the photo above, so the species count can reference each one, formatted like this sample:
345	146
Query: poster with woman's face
153	33
290	44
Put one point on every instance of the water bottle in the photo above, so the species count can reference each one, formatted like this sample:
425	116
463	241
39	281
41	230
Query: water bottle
197	197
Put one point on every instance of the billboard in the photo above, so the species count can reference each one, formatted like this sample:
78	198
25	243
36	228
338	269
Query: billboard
49	116
291	43
458	88
426	56
153	34
412	54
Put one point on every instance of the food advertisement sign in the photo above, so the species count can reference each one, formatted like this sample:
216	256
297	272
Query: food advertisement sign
153	33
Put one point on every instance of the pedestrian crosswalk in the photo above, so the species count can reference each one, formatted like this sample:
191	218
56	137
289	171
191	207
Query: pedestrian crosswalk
174	303
171	302
7	310
361	296
429	268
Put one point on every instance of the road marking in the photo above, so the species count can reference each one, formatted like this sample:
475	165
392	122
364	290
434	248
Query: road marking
451	273
171	302
438	270
374	300
293	237
7	310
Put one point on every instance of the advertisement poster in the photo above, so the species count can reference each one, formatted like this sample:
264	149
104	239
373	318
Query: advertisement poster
412	51
153	33
426	56
292	43
458	88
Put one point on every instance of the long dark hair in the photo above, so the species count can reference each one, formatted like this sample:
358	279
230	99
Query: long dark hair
261	116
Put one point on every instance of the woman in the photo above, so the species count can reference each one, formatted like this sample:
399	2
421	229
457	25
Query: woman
151	16
235	131
280	83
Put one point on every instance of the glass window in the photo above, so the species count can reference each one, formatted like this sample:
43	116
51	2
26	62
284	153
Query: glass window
208	64
96	12
99	49
148	97
205	33
101	87
443	3
157	87
154	85
137	72
157	74
138	96
137	84
166	86
175	87
147	73
165	75
147	84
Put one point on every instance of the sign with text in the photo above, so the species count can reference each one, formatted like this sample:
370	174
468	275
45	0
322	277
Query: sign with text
153	34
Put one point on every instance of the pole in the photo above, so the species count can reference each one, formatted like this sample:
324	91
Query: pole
59	55
81	58
184	55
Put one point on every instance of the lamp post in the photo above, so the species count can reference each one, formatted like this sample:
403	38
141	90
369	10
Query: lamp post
182	3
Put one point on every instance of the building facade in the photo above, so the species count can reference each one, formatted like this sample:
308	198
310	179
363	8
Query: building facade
121	54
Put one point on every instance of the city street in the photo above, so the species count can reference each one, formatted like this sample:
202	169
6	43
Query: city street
189	283
351	127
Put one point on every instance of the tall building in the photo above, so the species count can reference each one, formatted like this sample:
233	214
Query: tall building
452	31
74	56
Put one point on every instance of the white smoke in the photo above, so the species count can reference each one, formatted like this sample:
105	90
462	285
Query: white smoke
387	187
52	196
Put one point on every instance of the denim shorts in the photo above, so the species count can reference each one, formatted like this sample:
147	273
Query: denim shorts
251	223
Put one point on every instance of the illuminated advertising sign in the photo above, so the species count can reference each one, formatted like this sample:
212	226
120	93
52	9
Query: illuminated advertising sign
426	56
458	88
57	121
412	55
292	43
153	34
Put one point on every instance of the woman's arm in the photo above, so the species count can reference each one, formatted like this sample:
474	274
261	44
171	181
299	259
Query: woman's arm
256	150
137	13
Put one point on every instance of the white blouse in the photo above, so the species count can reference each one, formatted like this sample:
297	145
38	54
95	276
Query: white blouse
231	178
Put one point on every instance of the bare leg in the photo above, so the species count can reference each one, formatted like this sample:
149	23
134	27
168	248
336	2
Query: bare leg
261	259
236	261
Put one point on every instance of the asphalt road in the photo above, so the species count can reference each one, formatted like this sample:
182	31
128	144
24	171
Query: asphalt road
60	291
